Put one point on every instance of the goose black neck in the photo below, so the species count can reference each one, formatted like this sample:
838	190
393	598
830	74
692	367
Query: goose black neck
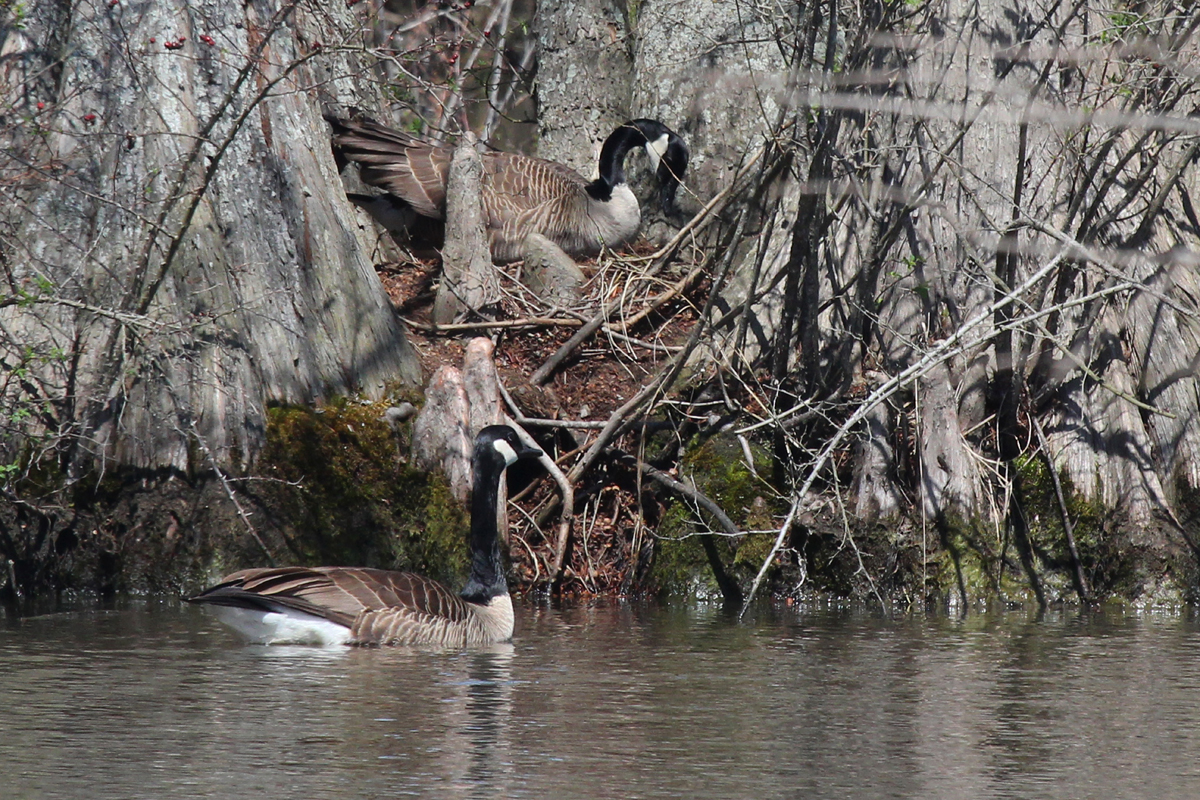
612	160
487	573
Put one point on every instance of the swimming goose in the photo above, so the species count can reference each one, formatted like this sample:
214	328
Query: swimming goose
521	194
359	606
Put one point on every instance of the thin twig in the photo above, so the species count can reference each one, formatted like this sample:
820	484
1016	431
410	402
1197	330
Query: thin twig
567	514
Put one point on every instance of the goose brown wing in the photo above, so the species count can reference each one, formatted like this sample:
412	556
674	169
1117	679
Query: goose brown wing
404	625
409	168
339	594
515	184
418	171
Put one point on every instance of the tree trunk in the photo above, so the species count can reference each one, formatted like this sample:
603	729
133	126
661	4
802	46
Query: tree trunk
177	248
584	75
178	254
977	238
468	278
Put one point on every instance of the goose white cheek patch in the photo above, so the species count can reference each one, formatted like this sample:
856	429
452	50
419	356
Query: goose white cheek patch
505	449
656	150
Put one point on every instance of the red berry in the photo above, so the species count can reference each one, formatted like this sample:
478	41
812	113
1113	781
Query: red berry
89	118
41	105
151	40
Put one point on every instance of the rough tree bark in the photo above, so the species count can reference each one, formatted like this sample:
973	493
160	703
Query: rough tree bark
923	164
584	77
176	246
468	277
174	215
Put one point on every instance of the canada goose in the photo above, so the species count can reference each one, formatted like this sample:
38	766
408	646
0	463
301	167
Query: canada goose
521	195
359	606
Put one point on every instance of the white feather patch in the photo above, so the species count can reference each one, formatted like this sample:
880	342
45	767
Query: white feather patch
656	149
505	449
276	627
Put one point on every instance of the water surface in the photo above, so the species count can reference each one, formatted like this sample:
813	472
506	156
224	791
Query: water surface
154	700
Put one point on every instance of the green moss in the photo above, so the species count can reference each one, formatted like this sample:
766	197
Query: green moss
346	496
972	558
718	469
681	568
752	550
1109	570
982	562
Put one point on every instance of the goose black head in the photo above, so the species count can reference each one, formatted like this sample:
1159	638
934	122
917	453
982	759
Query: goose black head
665	148
668	156
500	446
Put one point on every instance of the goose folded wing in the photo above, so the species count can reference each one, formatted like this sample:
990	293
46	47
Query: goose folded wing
525	195
339	594
419	178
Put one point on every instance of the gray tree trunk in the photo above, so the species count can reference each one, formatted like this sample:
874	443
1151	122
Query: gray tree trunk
584	78
177	248
468	277
945	206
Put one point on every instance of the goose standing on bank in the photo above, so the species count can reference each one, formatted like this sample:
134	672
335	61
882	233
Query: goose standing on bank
359	606
521	194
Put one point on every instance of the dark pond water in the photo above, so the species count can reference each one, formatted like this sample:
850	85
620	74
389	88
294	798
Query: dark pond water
158	701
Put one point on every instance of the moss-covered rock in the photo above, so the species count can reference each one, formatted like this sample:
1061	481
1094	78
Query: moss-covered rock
342	490
1110	568
717	468
331	486
969	561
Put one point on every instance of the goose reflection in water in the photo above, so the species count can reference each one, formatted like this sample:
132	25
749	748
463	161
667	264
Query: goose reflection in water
487	729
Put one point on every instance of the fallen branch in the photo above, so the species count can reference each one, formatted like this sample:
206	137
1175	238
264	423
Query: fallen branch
661	299
684	490
526	322
729	587
542	373
581	424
